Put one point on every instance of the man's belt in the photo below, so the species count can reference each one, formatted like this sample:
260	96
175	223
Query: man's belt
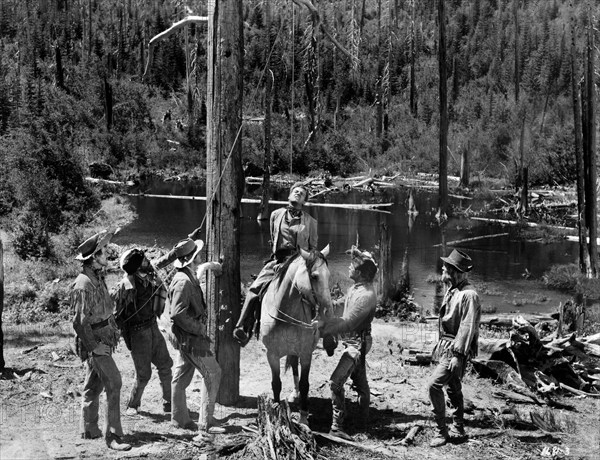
142	325
101	324
449	337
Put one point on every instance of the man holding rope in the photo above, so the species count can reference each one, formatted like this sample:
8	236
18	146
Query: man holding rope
291	228
140	299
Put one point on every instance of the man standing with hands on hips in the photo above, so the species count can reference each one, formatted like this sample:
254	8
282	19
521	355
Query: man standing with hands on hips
459	319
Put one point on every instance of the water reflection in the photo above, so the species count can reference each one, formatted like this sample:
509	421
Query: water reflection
499	262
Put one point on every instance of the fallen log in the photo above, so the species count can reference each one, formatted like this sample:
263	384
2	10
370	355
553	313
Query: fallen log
516	222
475	238
358	445
577	392
363	207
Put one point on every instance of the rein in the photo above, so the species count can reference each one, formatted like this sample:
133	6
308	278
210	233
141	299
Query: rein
294	321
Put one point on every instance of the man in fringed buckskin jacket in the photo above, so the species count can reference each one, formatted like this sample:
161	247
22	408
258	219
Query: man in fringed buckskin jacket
460	315
97	337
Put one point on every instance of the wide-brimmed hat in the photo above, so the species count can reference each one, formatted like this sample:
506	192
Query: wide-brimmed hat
93	244
131	260
303	186
363	260
186	251
459	260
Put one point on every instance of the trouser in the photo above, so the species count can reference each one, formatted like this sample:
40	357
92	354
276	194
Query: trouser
251	309
148	347
351	365
101	373
443	377
182	377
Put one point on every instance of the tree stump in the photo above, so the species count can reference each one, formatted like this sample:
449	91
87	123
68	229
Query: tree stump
280	437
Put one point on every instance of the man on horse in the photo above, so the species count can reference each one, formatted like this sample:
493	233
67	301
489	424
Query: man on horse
291	228
355	327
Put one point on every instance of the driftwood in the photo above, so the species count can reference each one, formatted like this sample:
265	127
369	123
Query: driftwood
517	222
410	437
280	437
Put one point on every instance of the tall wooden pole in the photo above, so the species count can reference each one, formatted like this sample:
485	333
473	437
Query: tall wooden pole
224	184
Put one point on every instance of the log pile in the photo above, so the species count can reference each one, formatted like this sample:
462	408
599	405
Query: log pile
534	364
280	437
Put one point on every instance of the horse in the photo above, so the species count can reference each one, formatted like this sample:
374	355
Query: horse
298	293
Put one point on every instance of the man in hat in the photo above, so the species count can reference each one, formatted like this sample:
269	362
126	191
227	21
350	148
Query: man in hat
97	337
139	300
291	228
459	319
355	327
189	316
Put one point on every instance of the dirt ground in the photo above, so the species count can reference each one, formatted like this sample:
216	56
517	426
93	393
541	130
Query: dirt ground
39	409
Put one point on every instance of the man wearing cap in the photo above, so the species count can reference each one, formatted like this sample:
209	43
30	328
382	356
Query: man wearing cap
459	319
291	228
355	327
97	337
139	299
189	316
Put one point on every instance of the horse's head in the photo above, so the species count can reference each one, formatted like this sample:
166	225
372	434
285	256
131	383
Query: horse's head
312	279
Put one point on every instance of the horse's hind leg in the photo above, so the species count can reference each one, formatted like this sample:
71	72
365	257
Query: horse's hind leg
292	361
304	386
275	375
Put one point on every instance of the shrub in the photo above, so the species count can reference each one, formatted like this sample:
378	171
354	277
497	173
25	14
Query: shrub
31	238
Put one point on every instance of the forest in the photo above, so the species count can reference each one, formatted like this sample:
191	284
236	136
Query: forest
352	85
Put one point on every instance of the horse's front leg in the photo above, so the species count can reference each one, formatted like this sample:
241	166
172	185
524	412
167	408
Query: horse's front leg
292	361
304	386
275	375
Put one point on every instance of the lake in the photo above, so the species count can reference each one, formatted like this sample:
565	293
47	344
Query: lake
507	272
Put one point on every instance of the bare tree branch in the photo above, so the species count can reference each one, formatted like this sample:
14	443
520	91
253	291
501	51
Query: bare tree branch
161	36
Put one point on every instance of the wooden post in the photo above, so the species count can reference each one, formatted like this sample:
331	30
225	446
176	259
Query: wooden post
224	184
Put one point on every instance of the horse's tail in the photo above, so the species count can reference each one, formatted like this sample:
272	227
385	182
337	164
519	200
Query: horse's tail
291	361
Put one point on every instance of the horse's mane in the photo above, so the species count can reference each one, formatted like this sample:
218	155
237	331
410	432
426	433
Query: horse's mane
314	255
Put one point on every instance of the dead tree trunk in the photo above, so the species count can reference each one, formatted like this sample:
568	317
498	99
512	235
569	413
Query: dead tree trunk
263	209
385	262
442	214
583	262
224	184
2	362
517	70
108	104
60	78
524	204
591	194
280	438
464	167
413	84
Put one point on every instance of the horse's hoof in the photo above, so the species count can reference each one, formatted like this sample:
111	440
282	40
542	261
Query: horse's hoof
293	398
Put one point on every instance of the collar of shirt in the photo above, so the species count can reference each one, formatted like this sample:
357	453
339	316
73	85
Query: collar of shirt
293	212
96	276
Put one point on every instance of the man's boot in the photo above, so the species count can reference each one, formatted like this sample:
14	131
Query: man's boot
243	329
441	437
457	429
338	403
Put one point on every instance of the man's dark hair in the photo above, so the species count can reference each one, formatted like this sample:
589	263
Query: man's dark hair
367	270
